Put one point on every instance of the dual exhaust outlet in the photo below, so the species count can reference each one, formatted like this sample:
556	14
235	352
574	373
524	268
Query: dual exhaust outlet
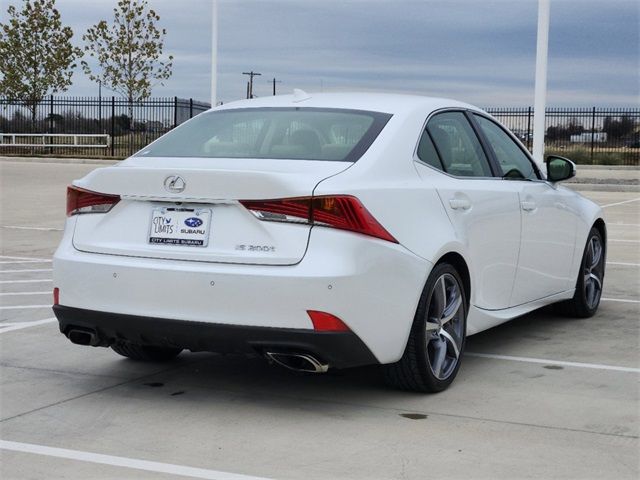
300	362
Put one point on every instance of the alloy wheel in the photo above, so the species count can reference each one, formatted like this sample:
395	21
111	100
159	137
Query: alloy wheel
593	272
444	324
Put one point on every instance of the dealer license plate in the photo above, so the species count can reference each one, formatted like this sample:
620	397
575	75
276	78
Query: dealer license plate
180	226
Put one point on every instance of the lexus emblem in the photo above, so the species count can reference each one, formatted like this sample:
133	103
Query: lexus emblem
174	184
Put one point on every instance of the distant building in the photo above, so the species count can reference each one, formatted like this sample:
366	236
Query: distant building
588	137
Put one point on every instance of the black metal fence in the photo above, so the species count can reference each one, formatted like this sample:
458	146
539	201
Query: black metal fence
586	135
606	136
126	126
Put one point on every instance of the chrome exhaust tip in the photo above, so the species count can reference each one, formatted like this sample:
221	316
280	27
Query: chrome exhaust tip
299	362
83	337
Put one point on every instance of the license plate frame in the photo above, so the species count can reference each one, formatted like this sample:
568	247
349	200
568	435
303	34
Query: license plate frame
175	217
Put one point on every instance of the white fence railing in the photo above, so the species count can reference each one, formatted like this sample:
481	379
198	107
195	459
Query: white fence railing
66	140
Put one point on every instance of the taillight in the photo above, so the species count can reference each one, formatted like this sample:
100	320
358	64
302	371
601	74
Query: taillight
56	296
80	200
344	212
291	210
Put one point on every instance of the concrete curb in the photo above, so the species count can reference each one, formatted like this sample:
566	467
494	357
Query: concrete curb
607	167
78	161
602	187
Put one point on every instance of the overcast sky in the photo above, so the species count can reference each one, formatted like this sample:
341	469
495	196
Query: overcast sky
479	51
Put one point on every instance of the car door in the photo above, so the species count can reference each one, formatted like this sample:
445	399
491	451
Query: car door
483	209
548	223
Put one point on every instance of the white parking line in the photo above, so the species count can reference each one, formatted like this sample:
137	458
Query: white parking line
610	224
620	203
10	327
43	280
621	300
27	270
125	462
18	307
595	366
22	258
624	264
8	294
622	240
45	229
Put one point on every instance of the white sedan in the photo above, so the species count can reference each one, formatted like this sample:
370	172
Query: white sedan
325	231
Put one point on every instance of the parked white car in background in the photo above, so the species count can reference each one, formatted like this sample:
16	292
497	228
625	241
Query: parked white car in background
325	231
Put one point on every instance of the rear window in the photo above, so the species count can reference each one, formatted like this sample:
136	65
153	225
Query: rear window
274	133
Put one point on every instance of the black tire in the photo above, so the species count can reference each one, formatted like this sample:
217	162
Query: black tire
147	353
583	305
414	370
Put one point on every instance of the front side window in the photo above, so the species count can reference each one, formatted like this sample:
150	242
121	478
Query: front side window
515	164
458	146
273	133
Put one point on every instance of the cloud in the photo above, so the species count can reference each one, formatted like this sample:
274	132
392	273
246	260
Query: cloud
480	52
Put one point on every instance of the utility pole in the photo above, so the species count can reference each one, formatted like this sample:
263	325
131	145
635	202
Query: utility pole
251	75
274	81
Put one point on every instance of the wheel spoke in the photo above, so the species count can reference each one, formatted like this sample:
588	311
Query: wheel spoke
589	254
432	326
452	309
442	289
596	253
451	342
439	299
594	278
440	353
593	288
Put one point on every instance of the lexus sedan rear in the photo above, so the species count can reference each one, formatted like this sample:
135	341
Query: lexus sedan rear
325	231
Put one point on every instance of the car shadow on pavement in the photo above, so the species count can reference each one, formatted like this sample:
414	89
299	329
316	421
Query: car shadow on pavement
209	379
247	373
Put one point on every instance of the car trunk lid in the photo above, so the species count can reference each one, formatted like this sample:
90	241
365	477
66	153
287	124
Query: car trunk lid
219	228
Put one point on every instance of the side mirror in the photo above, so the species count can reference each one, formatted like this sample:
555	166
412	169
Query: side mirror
559	168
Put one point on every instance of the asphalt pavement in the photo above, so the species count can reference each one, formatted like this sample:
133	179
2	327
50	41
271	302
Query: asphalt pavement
540	397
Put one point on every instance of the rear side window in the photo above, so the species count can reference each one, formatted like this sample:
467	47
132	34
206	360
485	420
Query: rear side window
427	151
458	146
273	133
513	161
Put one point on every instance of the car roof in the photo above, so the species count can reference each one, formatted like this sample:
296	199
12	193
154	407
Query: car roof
394	103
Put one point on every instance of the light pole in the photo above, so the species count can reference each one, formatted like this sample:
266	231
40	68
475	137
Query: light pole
214	52
540	95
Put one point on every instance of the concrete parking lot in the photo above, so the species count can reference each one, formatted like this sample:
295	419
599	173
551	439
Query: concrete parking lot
540	397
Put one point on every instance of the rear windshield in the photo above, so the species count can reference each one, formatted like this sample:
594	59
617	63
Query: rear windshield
278	133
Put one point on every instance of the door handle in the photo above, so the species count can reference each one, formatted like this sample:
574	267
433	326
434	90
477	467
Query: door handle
460	204
528	206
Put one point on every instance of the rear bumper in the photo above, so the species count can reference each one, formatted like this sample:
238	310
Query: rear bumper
373	286
338	349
